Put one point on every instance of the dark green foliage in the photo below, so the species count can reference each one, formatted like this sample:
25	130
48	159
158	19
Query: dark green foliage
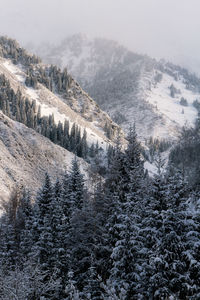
131	237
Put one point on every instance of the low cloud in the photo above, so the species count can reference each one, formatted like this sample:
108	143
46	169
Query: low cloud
159	28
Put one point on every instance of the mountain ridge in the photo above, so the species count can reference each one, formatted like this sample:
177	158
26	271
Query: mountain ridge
129	86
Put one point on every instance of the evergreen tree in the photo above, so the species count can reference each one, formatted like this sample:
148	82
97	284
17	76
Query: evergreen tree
76	186
164	236
82	243
43	233
84	145
25	223
92	289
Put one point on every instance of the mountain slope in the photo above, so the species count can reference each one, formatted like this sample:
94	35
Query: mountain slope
130	87
74	104
25	156
46	100
53	104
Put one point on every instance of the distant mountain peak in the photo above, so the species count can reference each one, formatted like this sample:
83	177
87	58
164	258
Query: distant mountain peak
131	87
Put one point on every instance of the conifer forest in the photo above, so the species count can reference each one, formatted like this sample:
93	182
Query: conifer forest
99	150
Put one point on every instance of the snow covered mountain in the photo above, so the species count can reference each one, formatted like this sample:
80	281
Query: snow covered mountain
77	106
52	104
158	96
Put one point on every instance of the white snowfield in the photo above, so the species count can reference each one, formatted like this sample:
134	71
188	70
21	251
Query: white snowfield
170	108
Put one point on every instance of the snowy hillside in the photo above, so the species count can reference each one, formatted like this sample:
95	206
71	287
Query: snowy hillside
25	156
169	107
130	87
92	119
44	117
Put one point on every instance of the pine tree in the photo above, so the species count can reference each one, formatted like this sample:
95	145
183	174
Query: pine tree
92	289
25	223
8	244
133	161
192	255
92	151
73	138
116	174
84	145
127	249
57	224
164	233
43	234
60	232
82	242
66	144
76	185
66	198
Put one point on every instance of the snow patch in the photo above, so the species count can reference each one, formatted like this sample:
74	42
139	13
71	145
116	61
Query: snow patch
15	70
169	107
152	170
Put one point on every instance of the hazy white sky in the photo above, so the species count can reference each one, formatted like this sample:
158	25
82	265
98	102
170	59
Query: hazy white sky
160	28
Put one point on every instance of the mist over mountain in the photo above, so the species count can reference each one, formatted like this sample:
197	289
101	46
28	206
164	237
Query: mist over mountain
160	29
130	87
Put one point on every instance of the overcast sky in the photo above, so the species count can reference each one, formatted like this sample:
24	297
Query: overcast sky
159	28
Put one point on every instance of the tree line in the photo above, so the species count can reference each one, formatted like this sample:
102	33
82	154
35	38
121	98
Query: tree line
52	77
21	109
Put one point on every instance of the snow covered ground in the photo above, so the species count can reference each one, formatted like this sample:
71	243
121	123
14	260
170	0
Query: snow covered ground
169	107
14	70
54	104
